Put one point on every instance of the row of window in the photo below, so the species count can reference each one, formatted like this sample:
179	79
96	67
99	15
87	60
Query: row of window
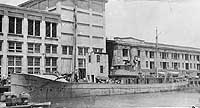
15	64
14	46
84	50
82	62
164	55
15	27
174	65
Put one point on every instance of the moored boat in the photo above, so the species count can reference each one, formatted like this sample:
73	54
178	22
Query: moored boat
43	88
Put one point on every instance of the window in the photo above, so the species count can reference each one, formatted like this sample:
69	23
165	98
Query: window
175	56
198	58
54	61
54	49
15	25
152	65
81	63
198	66
175	65
97	50
1	23
67	50
164	55
48	61
89	58
190	65
37	48
138	53
147	64
187	66
186	57
33	65
146	53
151	54
33	27
101	69
0	45
48	48
14	64
82	51
51	48
50	64
14	46
64	49
30	48
0	65
48	29
54	29
125	52
98	58
34	48
70	50
51	29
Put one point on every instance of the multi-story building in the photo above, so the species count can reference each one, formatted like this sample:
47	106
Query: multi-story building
71	24
140	57
29	40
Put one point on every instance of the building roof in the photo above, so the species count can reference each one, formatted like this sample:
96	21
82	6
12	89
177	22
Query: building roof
17	8
31	1
140	43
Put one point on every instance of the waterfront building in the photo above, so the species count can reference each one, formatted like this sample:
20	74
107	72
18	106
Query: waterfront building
131	57
47	46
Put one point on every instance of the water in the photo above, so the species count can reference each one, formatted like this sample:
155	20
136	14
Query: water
186	98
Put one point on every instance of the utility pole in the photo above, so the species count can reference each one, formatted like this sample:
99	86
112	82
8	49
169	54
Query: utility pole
74	41
156	60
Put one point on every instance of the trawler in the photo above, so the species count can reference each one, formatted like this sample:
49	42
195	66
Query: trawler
43	88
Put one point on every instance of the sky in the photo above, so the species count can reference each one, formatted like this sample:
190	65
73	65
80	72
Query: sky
177	21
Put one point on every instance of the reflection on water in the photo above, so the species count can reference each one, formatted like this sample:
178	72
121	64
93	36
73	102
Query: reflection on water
164	99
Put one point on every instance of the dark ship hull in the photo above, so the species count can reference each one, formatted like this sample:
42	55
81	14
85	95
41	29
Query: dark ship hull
43	88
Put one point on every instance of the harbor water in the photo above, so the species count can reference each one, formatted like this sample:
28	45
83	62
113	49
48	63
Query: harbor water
186	98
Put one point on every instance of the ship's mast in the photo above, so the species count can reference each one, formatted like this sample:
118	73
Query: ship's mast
156	60
74	40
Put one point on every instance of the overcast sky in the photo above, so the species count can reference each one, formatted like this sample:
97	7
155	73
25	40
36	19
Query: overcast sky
178	21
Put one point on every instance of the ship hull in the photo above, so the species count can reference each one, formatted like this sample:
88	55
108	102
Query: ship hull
43	89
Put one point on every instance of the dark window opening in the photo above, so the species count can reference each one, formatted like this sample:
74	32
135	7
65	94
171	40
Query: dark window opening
138	53
89	58
101	69
37	28
11	25
187	66
1	23
125	52
30	27
54	29
98	58
18	26
152	65
48	29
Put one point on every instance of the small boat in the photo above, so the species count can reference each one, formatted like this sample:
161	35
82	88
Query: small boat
30	105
